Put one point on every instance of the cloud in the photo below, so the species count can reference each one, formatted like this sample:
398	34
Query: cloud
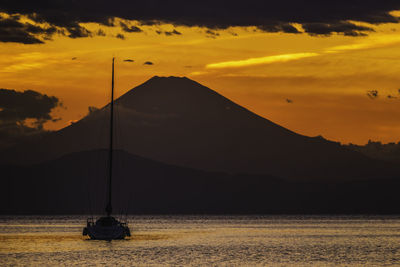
127	28
174	32
100	32
347	28
260	60
280	27
373	94
169	33
211	34
11	30
316	18
22	115
129	60
16	107
148	63
368	43
393	96
120	36
78	32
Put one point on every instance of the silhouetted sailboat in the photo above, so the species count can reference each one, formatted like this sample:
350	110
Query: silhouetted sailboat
107	227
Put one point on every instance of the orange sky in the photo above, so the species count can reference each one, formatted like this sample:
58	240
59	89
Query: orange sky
326	77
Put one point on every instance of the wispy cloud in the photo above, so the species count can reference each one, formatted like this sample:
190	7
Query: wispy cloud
260	60
22	66
24	61
35	60
369	43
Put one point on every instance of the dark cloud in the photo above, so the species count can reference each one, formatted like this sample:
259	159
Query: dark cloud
129	60
74	58
211	34
373	94
279	27
391	97
39	30
120	36
174	32
78	32
100	32
169	33
11	30
127	28
289	101
343	27
317	17
17	107
148	63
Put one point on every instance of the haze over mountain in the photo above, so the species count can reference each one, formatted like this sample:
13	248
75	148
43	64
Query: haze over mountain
178	121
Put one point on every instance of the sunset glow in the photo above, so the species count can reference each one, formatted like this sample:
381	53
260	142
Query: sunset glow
326	76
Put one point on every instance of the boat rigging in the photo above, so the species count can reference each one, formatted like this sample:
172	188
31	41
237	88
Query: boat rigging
108	227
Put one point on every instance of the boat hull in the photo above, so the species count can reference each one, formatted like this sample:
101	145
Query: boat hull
106	228
106	232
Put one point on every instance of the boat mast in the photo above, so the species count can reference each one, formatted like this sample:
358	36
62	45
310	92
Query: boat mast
109	206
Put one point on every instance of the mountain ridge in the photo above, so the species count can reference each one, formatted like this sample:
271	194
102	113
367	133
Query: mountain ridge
76	184
181	122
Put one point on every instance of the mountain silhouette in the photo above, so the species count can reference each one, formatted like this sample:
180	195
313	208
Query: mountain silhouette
181	122
76	184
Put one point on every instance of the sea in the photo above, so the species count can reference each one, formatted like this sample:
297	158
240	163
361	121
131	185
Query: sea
205	241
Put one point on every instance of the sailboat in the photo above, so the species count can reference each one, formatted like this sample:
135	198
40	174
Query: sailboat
108	227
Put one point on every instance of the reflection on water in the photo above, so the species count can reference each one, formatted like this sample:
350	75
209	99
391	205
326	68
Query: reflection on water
205	240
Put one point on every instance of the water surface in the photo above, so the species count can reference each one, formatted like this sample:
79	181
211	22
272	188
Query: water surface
205	240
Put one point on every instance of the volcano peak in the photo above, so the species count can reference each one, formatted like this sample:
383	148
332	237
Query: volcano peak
172	94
